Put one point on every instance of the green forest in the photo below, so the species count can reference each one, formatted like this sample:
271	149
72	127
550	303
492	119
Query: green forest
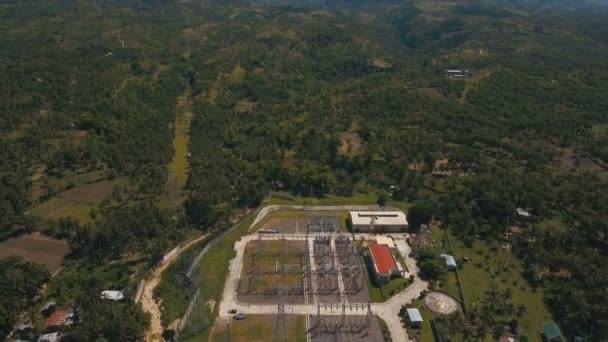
312	98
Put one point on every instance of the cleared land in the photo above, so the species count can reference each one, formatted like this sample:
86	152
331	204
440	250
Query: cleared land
369	198
76	202
178	169
37	248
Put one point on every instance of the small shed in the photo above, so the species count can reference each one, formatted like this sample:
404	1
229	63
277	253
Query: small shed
414	317
523	213
48	308
551	333
52	337
113	295
450	262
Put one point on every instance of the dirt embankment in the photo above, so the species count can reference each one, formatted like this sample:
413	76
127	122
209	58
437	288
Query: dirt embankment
149	303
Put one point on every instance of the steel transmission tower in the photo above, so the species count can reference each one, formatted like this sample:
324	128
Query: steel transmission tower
280	327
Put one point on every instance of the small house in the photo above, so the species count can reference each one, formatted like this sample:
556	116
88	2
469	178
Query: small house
60	318
551	333
523	213
414	317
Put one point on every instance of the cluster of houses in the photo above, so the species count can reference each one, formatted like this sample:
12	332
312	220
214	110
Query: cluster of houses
57	319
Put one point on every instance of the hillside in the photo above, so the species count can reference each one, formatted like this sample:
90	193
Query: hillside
316	99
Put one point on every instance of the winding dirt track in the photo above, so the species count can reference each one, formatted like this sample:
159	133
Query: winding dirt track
148	302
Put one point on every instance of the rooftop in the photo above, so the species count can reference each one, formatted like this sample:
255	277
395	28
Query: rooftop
414	315
383	259
60	317
381	218
551	330
385	240
52	337
112	295
449	259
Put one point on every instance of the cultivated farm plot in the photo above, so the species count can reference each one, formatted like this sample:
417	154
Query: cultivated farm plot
36	248
76	202
271	264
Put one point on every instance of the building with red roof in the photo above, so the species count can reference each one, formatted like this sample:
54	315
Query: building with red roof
384	264
516	231
59	319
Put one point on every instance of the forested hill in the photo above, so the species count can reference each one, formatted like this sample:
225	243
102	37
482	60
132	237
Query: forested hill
314	99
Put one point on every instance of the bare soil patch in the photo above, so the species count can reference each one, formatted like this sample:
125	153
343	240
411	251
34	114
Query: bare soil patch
90	192
351	144
36	248
441	303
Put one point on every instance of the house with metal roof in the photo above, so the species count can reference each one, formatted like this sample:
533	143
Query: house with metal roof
51	337
551	333
113	295
414	317
450	262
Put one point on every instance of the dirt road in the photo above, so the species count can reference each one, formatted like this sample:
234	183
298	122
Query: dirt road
148	302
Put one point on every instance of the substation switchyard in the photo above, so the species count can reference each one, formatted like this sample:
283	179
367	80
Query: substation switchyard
318	267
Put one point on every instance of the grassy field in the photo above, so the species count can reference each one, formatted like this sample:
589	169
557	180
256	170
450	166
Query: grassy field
178	169
260	328
370	198
493	267
41	183
213	270
238	74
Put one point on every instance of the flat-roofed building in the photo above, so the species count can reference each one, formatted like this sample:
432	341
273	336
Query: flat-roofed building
384	263
414	317
382	221
385	240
